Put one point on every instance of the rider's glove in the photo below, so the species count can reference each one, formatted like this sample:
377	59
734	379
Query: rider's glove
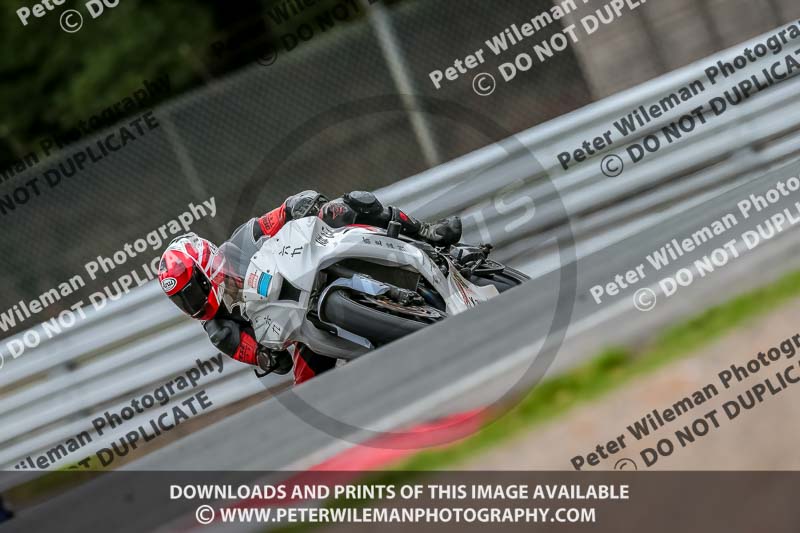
227	336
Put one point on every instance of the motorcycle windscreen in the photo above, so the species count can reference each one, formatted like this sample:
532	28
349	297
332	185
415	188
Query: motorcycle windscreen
234	271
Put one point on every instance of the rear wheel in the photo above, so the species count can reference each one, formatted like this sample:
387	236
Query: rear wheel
377	318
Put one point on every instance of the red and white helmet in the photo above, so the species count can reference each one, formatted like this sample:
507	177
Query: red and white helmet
191	274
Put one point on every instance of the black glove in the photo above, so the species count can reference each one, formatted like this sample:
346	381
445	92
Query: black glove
224	335
277	361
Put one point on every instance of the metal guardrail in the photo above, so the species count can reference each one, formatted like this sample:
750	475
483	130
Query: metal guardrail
747	138
141	341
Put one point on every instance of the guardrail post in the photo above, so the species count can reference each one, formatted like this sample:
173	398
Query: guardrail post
379	19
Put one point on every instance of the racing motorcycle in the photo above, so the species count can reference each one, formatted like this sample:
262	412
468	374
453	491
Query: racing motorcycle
345	291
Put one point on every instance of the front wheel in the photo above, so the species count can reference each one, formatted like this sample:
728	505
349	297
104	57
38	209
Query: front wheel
376	318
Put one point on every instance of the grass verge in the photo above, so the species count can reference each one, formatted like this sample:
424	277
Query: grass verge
607	371
610	369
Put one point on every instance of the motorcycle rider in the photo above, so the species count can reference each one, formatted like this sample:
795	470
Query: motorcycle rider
195	274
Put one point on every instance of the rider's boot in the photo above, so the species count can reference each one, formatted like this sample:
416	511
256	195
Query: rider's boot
442	233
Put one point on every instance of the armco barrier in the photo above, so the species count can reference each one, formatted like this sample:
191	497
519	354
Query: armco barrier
138	342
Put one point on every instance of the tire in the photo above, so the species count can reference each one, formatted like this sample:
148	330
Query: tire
377	326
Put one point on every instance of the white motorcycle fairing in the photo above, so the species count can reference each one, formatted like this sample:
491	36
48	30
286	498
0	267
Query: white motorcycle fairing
283	273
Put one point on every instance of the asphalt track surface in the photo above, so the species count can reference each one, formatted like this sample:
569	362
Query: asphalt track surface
469	360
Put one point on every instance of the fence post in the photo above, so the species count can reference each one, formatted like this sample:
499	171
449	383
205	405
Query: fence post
382	25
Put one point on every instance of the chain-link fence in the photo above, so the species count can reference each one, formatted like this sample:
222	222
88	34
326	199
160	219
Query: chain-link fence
324	110
266	123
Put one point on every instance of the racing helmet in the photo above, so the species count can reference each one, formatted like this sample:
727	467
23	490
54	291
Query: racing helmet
191	275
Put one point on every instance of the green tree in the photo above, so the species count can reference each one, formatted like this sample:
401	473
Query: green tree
53	79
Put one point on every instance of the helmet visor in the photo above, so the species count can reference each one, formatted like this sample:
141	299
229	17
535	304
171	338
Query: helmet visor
193	297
